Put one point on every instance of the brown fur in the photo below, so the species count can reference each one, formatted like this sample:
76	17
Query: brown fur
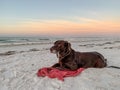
71	60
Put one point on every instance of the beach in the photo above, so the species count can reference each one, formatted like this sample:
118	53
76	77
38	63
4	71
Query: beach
21	58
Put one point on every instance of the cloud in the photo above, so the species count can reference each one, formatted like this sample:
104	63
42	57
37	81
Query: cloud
60	27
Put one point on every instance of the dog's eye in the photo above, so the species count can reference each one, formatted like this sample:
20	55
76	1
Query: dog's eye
66	44
57	45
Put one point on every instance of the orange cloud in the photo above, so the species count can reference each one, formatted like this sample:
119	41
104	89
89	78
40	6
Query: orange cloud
60	27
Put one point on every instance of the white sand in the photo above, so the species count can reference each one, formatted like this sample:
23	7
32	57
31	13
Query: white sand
18	71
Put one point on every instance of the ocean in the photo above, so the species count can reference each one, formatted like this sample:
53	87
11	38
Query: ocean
22	40
7	41
39	43
22	43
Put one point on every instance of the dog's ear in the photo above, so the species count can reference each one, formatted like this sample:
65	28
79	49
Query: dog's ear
67	44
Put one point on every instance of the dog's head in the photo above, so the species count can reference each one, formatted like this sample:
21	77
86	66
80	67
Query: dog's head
61	47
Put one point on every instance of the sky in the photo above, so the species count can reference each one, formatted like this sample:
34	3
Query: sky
59	17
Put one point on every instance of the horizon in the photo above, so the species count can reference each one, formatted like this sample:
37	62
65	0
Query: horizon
60	18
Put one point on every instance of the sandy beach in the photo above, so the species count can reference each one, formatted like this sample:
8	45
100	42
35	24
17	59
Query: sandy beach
19	63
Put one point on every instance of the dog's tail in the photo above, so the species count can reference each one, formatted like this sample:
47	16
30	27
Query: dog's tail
105	61
113	67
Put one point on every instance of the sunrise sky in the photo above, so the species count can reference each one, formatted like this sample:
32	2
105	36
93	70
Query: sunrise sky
59	17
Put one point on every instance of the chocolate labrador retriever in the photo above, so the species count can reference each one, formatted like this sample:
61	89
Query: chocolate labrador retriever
70	59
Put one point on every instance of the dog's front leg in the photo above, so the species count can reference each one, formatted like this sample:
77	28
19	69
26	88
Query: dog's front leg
56	65
71	65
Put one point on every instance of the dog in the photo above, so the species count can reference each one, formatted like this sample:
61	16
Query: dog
70	59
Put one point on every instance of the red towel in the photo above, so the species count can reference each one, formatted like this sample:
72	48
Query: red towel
56	73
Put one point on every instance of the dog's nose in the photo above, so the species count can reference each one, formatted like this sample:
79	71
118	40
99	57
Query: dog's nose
52	50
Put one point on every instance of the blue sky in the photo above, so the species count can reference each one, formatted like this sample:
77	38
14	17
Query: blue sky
51	9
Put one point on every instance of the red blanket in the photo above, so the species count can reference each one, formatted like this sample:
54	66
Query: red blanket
56	73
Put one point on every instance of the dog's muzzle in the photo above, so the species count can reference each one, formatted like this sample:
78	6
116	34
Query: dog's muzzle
53	50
